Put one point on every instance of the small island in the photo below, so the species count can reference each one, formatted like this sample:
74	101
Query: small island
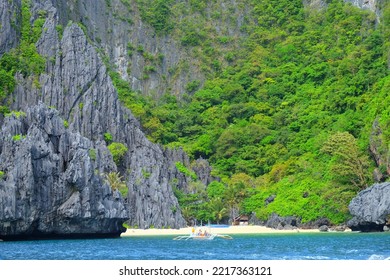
167	114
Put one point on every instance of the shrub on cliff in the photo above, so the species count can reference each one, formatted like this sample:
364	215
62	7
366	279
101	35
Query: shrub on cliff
118	151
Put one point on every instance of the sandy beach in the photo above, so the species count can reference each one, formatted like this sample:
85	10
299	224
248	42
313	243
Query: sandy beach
225	230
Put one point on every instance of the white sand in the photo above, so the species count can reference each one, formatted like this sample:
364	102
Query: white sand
227	230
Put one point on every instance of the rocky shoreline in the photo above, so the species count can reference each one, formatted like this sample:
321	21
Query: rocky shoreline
371	209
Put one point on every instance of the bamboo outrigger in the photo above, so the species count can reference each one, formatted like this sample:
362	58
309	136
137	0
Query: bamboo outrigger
200	235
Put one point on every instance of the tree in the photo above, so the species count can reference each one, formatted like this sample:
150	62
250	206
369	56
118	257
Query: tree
219	209
215	189
7	83
115	180
348	163
157	13
237	191
187	214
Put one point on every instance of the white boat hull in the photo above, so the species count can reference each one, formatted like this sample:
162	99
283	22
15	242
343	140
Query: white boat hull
201	237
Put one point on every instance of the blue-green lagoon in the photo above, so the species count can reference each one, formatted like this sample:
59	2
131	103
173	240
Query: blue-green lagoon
289	246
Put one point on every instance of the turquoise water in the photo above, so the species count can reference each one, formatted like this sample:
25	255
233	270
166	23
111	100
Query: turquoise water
297	246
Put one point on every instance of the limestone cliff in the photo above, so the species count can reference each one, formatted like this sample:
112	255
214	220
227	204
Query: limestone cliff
371	208
372	5
380	152
118	30
51	183
132	45
76	83
8	23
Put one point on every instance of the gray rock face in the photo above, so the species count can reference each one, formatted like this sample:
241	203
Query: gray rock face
372	5
270	199
117	26
314	4
76	83
9	23
277	222
203	169
118	29
51	183
291	222
380	152
365	4
323	228
370	208
340	228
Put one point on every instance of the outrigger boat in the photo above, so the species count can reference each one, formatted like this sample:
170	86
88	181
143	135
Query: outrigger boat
200	235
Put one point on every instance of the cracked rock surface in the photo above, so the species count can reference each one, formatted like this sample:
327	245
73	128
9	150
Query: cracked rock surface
51	185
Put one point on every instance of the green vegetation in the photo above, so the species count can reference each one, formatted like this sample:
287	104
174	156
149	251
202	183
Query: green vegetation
145	174
92	154
135	102
115	180
204	205
348	164
125	225
157	13
18	137
24	59
60	30
108	138
118	151
286	111
17	114
183	169
2	174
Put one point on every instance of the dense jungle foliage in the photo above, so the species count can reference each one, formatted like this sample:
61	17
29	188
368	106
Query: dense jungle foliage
286	111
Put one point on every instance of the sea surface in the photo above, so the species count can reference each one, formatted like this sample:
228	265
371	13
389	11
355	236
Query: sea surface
289	246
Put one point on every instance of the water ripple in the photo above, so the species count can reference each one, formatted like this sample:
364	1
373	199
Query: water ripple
300	246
